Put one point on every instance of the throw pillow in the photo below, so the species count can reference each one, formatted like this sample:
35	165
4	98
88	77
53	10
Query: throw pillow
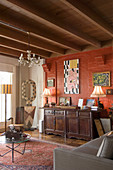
106	148
110	133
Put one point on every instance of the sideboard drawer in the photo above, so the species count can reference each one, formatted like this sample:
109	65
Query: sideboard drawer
84	114
59	112
72	113
49	112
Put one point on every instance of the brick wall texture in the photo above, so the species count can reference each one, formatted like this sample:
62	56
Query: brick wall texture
93	61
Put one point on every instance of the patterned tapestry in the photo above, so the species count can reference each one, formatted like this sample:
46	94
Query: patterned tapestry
71	76
29	112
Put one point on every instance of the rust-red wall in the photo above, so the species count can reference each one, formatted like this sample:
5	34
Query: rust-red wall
90	62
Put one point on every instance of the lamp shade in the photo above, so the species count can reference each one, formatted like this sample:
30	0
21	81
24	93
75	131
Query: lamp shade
5	88
98	92
53	91
46	92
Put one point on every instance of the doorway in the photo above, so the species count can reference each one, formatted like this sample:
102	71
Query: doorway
5	97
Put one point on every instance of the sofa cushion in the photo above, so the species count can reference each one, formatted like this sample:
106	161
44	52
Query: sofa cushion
106	148
90	147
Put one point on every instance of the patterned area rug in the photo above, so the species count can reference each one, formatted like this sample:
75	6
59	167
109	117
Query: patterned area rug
38	156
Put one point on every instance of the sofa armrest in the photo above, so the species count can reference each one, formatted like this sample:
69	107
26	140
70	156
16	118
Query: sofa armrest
71	160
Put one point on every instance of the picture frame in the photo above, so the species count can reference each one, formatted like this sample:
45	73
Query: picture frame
109	91
51	82
80	103
64	101
90	102
99	127
71	76
106	123
101	79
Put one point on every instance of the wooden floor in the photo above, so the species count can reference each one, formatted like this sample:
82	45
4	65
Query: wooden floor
56	138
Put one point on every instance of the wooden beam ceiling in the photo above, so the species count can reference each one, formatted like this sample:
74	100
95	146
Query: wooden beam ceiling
9	51
22	47
52	30
22	37
49	21
89	14
34	28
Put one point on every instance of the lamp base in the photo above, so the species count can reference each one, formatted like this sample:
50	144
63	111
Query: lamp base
46	105
100	105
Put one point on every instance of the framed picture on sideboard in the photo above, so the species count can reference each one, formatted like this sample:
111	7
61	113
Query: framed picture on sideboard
80	103
66	101
90	102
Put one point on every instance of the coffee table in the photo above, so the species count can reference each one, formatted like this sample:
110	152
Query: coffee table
12	141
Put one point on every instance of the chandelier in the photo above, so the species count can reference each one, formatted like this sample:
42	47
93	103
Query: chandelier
30	58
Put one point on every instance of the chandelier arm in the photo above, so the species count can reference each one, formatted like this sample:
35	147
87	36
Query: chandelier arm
31	58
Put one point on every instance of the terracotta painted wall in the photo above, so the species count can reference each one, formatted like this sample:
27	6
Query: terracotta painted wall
90	62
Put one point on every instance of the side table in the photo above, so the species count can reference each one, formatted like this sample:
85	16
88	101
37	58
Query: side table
12	141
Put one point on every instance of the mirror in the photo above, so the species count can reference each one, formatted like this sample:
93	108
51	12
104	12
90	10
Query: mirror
29	91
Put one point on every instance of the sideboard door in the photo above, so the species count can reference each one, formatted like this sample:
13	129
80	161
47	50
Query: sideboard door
85	124
59	122
49	120
72	123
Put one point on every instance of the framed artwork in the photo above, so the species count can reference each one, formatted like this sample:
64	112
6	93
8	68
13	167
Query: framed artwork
106	123
109	91
51	83
65	101
80	102
90	102
99	127
101	79
71	76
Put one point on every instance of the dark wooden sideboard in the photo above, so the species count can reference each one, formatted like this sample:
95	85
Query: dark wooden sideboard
72	122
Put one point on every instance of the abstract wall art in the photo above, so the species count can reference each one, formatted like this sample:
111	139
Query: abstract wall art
71	76
101	79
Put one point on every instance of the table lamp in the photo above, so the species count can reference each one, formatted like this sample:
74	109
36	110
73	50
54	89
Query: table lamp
6	89
98	92
46	93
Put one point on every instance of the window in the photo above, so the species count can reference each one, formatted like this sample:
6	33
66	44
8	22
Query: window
5	78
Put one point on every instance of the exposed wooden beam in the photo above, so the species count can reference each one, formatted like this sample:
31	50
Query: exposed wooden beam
56	40
49	21
34	30
20	36
8	51
11	52
22	47
88	14
105	44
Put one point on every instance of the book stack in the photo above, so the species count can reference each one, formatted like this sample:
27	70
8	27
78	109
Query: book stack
94	107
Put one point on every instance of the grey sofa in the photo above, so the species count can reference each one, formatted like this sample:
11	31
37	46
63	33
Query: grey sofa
81	158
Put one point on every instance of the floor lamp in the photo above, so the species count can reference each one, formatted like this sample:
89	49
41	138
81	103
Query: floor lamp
6	89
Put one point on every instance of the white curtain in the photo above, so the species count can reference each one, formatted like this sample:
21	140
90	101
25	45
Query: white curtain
5	78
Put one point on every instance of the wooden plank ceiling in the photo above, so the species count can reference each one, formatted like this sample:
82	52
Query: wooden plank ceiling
56	27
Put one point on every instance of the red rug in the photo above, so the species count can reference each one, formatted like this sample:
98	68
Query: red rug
38	155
